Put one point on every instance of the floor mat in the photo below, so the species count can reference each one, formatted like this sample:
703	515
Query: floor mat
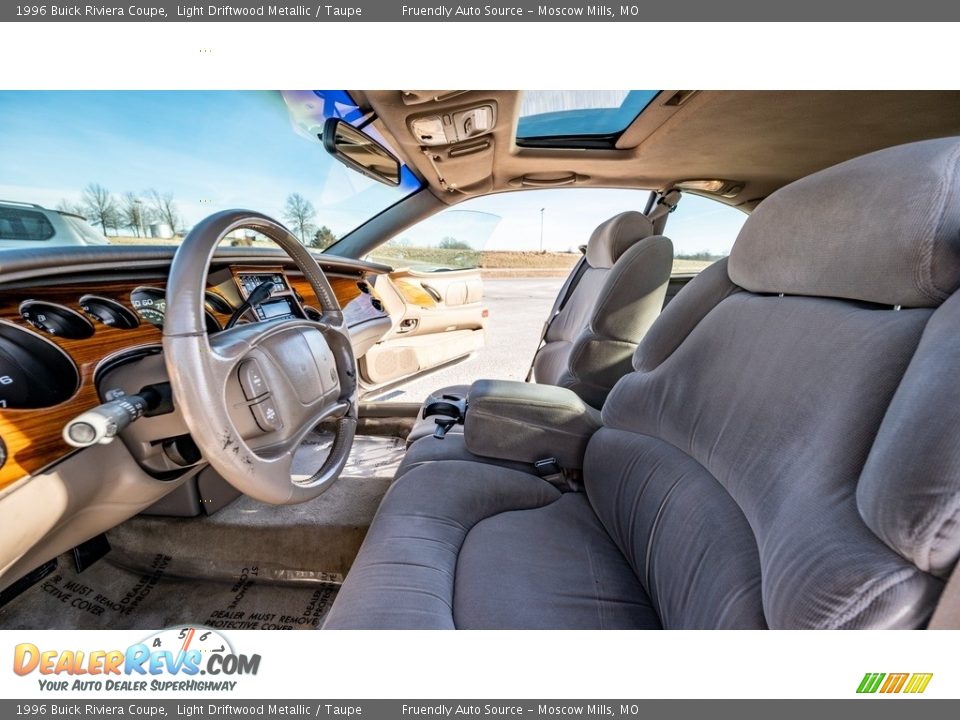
248	566
370	456
108	597
311	541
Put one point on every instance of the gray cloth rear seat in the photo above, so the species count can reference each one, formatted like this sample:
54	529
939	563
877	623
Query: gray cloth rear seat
591	340
782	461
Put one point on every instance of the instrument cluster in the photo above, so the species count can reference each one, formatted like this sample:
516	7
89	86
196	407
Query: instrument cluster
37	373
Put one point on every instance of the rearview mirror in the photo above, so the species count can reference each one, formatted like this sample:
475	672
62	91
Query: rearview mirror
357	150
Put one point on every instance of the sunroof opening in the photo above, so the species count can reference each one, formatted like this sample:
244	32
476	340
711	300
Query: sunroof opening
578	118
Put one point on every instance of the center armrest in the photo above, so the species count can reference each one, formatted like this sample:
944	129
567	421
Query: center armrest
528	422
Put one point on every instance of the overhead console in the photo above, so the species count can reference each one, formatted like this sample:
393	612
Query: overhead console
459	144
449	136
450	128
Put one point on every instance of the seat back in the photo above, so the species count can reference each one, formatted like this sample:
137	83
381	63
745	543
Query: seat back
784	454
590	342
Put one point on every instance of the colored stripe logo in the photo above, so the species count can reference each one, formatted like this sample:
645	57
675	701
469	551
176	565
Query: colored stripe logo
887	683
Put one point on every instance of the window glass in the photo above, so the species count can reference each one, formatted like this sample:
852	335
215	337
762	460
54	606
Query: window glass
84	230
557	113
451	240
702	231
20	224
523	233
144	166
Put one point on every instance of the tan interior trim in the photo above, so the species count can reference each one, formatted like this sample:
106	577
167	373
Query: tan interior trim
764	139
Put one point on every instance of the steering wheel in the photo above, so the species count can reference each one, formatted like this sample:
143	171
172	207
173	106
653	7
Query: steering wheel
249	395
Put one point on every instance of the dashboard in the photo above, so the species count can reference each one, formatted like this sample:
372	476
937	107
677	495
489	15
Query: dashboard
60	334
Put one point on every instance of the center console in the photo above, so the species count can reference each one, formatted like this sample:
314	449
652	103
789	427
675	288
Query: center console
517	421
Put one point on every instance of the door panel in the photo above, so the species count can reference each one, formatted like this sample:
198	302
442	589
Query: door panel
437	317
458	292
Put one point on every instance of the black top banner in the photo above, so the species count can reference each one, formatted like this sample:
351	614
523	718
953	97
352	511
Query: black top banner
500	11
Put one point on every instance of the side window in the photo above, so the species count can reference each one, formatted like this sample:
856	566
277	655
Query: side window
20	224
528	233
702	231
450	240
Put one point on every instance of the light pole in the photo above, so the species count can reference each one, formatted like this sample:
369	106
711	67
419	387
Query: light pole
138	203
541	229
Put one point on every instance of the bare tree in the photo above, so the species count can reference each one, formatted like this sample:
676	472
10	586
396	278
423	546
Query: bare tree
134	214
299	213
164	208
100	206
451	243
323	238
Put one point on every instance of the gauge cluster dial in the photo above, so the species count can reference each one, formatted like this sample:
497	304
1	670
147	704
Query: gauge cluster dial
55	319
109	312
150	304
34	372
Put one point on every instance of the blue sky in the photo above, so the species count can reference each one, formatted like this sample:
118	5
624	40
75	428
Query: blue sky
215	150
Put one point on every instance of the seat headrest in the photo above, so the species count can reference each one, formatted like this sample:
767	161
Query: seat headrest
883	228
614	237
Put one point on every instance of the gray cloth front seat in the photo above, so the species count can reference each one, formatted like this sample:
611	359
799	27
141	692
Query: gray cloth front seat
590	341
784	453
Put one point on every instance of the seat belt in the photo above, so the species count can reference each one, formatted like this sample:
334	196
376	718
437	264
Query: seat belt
666	204
569	285
946	616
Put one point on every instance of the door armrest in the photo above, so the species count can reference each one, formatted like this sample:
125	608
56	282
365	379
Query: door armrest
527	422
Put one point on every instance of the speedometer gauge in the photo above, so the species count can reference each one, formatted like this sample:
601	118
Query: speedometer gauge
150	304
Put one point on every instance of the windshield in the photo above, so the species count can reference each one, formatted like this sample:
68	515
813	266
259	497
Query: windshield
144	167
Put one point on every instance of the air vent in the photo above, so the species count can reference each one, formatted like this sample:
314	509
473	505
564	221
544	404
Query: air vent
680	97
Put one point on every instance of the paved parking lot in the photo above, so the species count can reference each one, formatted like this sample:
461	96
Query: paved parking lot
517	311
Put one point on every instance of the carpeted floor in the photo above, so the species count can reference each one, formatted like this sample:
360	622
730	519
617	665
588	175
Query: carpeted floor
249	566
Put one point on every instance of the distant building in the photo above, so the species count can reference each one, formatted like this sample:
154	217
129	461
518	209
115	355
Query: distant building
160	230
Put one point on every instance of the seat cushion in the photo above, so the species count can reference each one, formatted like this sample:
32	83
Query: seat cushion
552	567
765	413
429	450
448	533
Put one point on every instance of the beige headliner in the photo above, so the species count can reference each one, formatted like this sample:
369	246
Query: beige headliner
763	139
